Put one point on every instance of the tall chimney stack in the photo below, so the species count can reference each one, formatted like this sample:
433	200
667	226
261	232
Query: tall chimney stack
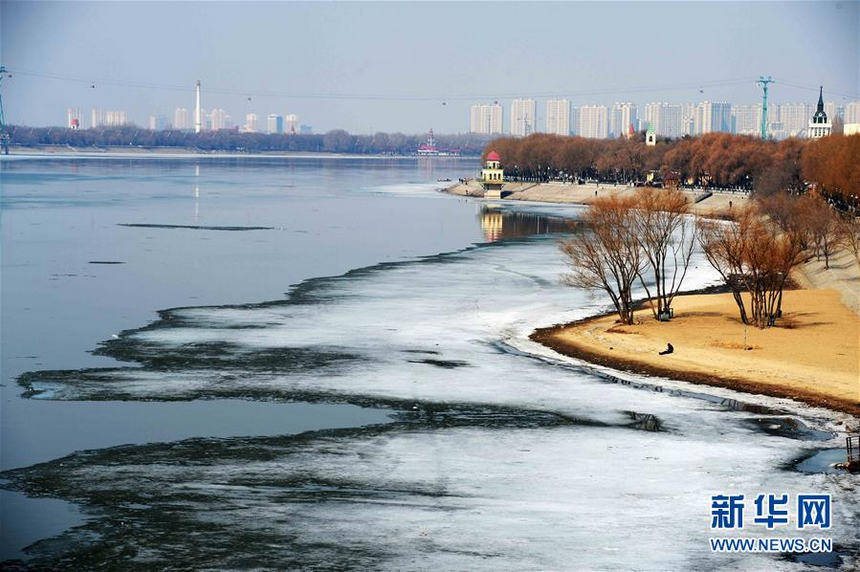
198	121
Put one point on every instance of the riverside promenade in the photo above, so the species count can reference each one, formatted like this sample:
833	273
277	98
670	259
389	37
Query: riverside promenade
557	192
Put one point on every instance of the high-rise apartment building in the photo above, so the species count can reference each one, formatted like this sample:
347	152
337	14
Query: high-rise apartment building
558	116
291	123
666	119
794	118
73	118
574	121
486	119
688	118
251	123
833	111
218	119
523	115
714	117
621	117
109	118
275	123
180	118
157	122
852	112
116	118
593	121
746	119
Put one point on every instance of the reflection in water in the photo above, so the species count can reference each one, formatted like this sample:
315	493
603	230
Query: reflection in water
499	224
433	167
196	193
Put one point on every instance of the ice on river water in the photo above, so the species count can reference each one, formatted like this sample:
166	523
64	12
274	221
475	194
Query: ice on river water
507	456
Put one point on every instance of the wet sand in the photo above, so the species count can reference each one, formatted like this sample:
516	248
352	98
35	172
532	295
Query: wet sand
811	357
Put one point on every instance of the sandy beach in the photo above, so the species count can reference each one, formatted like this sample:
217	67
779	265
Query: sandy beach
812	357
585	194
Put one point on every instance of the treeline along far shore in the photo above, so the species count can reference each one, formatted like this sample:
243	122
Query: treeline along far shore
231	140
830	164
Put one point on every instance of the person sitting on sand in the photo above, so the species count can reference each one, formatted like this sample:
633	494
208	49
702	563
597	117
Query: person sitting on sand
669	349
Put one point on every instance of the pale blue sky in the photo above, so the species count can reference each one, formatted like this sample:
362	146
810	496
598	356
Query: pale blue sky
457	53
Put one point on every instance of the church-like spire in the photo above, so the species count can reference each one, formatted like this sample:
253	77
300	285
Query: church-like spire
820	116
819	126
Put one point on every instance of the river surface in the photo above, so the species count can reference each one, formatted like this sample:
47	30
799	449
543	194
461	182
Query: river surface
298	362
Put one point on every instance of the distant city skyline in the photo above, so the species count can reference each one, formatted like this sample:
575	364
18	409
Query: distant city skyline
667	119
407	66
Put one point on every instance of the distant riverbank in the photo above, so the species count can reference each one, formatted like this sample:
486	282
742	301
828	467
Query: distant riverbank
556	192
179	152
812	357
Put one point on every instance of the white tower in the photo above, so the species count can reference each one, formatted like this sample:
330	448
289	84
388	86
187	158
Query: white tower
197	118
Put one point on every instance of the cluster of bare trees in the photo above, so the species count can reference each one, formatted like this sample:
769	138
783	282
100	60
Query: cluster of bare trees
716	159
758	247
754	257
647	238
546	157
821	228
833	163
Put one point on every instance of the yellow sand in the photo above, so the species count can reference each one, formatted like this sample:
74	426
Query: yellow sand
813	353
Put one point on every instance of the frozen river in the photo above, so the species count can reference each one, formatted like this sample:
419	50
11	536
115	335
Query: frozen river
387	411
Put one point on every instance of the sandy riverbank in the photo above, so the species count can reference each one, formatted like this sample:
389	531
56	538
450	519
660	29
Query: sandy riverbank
813	357
585	194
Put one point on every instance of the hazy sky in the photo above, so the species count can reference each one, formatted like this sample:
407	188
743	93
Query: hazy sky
395	64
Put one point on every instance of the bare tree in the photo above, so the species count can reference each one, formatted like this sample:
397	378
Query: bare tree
605	253
849	232
722	243
788	212
666	235
769	256
753	255
823	224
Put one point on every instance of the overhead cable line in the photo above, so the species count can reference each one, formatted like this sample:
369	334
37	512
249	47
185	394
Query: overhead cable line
381	97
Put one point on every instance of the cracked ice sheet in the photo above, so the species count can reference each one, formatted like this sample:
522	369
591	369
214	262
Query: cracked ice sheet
452	498
438	329
452	329
446	328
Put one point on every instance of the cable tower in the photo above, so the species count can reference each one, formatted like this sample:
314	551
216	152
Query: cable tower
4	132
763	81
